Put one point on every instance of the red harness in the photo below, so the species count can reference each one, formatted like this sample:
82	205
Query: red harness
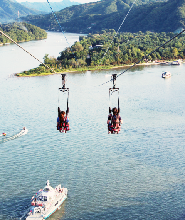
64	126
114	126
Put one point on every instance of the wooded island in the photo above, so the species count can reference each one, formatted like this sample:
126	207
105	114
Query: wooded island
107	50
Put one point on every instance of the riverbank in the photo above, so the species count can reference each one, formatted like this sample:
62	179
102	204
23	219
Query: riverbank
23	74
20	32
23	41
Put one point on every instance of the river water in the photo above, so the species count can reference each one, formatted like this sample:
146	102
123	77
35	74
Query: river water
137	174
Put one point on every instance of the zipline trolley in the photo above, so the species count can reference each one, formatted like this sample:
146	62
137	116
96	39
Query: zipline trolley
62	120
114	120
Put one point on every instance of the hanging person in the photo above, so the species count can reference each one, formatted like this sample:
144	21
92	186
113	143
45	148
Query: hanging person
114	121
63	122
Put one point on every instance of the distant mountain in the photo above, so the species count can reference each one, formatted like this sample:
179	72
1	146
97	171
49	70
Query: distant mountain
44	6
159	17
9	10
149	15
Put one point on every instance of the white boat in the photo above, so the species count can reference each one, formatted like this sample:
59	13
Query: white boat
165	63
177	62
166	74
22	132
46	202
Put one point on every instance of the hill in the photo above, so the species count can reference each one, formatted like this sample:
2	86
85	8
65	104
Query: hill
150	15
21	32
44	6
9	11
99	51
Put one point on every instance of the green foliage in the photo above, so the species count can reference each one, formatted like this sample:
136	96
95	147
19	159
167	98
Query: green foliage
21	32
126	48
152	15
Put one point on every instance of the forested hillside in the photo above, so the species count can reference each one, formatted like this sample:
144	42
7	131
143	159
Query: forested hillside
9	11
21	32
146	15
96	51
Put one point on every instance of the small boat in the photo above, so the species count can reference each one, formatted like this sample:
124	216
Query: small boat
46	202
177	62
166	74
165	63
22	132
3	134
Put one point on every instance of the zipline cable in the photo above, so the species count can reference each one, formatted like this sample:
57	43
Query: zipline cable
61	28
112	39
117	31
26	51
110	79
145	57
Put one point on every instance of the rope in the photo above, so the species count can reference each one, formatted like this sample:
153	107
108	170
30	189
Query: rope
117	31
106	51
61	28
26	51
113	37
144	57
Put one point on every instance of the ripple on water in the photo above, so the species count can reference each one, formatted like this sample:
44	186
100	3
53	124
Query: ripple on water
137	174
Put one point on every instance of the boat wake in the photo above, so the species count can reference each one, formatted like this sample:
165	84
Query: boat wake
21	133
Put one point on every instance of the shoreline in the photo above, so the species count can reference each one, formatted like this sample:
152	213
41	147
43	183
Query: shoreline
167	63
88	69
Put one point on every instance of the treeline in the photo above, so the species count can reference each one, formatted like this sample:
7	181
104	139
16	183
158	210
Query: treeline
21	32
105	50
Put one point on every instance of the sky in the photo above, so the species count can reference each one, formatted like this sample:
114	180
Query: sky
80	1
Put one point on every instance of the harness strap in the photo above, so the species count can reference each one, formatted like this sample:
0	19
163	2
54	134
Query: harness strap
64	124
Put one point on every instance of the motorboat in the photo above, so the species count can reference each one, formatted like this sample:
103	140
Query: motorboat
46	202
177	62
165	63
3	134
166	74
22	132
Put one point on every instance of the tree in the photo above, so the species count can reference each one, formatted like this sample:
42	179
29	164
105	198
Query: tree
175	52
77	47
